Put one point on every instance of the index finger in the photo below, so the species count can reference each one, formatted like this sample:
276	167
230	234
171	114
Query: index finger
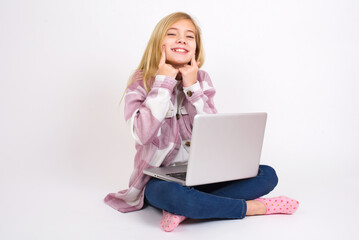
163	55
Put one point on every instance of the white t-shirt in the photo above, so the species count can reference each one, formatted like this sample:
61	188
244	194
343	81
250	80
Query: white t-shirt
183	153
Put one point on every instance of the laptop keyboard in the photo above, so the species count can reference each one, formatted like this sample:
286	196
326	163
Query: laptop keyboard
180	175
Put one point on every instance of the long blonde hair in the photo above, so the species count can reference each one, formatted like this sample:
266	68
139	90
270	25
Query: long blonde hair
152	55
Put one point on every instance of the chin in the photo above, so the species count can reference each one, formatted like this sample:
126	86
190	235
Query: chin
179	63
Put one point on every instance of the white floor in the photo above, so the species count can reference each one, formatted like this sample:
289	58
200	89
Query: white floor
66	206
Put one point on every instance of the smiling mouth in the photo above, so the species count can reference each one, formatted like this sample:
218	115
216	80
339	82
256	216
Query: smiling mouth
179	50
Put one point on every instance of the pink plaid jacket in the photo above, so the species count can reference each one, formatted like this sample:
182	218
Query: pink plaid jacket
159	126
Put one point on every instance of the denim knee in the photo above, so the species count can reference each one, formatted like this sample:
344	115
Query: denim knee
163	194
270	175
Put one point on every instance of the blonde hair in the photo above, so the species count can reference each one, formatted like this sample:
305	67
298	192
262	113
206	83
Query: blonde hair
152	55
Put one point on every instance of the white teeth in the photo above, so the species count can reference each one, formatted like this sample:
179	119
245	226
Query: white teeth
179	50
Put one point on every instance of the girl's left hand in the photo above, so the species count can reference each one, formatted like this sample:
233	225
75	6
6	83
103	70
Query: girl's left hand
189	73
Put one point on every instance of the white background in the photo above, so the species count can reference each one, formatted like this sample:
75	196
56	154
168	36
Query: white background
64	144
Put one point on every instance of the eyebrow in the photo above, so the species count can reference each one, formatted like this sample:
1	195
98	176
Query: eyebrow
188	30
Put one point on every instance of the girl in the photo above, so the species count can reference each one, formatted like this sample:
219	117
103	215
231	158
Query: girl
161	100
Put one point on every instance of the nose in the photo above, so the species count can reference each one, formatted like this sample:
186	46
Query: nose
181	39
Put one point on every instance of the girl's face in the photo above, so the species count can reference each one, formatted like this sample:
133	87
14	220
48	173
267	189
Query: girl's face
180	43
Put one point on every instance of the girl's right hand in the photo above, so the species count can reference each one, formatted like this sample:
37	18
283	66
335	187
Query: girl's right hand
164	68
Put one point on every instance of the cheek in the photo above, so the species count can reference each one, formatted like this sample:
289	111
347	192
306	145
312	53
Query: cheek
166	43
193	47
168	51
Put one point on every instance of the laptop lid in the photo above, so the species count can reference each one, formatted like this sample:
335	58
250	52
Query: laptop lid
225	147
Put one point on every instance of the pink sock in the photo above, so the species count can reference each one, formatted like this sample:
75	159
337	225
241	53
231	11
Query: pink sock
280	204
170	221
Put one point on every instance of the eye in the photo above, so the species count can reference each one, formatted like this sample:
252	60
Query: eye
171	34
190	37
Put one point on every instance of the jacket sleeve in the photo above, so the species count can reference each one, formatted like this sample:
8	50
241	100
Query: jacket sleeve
201	94
145	112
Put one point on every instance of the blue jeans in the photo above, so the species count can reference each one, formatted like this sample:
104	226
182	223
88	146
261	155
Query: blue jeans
218	200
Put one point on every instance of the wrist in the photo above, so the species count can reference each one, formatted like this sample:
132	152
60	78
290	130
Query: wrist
189	83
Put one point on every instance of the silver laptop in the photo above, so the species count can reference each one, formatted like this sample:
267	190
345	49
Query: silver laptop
224	147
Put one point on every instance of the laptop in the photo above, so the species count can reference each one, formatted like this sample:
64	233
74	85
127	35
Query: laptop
224	147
